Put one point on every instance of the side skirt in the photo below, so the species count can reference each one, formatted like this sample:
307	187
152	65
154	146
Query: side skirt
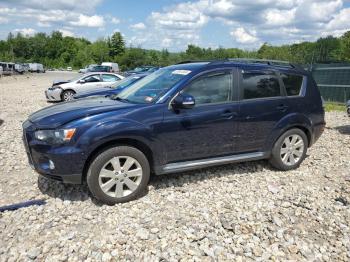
202	163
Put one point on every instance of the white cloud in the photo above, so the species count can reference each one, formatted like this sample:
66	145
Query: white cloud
89	21
26	31
242	36
3	20
138	26
276	17
340	20
115	20
66	32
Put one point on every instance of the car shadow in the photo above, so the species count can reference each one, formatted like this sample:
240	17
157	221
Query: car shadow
56	189
1	122
345	130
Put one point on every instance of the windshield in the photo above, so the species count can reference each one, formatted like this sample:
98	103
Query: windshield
125	82
151	87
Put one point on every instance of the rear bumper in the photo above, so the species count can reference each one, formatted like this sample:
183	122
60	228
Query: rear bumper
317	132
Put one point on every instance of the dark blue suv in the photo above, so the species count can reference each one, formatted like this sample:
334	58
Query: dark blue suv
186	116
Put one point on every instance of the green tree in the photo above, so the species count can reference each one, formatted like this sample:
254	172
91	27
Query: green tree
116	44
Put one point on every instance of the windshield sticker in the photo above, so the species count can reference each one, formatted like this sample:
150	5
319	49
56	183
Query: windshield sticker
181	72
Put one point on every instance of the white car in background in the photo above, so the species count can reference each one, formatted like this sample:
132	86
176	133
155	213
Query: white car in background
65	90
87	68
114	66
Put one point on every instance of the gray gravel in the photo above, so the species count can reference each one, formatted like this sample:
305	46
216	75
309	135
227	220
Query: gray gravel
240	212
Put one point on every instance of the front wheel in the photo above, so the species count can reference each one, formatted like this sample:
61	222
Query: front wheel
118	175
68	95
289	150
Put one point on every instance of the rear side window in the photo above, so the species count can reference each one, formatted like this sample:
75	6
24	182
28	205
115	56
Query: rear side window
259	85
214	87
292	83
110	78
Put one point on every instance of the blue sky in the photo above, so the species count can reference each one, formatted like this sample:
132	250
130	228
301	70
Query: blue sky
174	24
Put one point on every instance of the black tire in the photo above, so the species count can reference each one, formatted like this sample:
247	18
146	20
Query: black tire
93	174
67	95
276	158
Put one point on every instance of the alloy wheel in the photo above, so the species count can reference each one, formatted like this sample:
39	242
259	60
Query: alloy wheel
120	176
68	96
292	149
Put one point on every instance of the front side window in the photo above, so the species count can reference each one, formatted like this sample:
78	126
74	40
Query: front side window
259	85
109	78
214	87
292	83
92	79
153	86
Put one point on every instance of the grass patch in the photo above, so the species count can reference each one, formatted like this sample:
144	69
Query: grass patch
331	106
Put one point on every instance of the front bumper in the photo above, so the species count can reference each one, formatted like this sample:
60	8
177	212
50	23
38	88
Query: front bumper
63	163
53	95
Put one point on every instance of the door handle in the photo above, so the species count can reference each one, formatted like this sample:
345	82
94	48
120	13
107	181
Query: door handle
282	107
227	114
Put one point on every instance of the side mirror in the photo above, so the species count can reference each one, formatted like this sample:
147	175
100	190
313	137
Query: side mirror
82	81
183	101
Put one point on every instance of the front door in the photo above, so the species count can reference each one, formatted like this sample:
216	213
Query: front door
208	129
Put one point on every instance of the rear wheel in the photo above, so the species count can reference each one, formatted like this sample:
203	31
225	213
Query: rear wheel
118	175
289	150
68	95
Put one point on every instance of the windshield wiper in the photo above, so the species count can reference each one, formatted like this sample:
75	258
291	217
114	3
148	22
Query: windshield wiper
116	97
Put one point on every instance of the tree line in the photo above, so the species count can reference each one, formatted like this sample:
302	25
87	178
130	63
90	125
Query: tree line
55	50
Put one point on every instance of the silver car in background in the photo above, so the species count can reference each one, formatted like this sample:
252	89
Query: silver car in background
65	90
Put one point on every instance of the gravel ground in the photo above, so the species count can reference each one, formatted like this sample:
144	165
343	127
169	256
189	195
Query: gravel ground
240	212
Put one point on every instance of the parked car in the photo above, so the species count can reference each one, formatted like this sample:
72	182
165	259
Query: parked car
26	67
100	68
113	89
141	69
114	66
36	67
1	71
65	91
181	117
19	68
69	68
87	68
348	107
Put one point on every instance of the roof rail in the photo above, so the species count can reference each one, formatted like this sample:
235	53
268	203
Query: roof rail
194	61
249	61
266	61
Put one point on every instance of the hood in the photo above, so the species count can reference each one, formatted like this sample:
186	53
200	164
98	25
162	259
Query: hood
58	82
57	115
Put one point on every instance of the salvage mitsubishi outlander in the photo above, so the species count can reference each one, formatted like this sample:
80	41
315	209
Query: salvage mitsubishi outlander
182	117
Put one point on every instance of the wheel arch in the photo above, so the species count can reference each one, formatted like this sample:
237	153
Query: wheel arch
65	90
144	148
291	121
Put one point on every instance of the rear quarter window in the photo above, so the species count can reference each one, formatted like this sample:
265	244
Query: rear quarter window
292	83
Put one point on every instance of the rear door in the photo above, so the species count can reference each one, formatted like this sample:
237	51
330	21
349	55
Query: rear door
262	106
108	79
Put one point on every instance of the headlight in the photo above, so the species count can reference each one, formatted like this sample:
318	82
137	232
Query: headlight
54	88
55	136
